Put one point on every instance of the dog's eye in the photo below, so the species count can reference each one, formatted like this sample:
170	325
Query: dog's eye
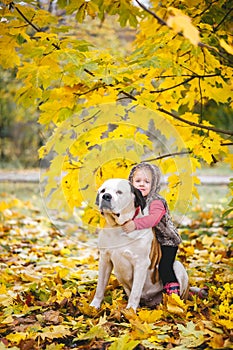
103	190
119	192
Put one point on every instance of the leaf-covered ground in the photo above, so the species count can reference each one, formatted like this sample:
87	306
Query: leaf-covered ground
48	279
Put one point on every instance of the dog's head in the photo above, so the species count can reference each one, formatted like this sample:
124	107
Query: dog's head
119	199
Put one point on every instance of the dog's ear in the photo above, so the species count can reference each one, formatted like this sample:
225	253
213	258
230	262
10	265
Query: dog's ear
139	200
97	200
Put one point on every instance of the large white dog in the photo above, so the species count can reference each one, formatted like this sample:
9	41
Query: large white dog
133	256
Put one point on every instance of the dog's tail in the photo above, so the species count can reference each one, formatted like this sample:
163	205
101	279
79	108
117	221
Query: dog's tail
155	256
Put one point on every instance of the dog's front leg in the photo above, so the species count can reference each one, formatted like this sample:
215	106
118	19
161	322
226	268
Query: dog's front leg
140	274
105	269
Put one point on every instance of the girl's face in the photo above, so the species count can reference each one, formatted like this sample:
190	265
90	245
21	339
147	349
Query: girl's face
142	180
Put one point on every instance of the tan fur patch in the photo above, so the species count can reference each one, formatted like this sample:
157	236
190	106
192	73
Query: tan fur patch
155	256
110	219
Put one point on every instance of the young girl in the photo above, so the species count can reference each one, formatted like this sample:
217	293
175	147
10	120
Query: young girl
146	177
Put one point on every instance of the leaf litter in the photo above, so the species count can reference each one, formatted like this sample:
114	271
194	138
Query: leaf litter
48	279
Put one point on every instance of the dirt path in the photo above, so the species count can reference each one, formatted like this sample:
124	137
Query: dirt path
33	176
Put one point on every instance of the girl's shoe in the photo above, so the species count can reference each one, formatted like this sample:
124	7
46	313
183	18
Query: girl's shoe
172	287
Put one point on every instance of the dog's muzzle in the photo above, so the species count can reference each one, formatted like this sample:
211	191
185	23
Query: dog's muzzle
106	204
106	201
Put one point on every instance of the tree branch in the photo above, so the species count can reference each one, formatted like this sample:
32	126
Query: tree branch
226	143
200	126
12	5
168	155
24	17
173	87
127	95
162	22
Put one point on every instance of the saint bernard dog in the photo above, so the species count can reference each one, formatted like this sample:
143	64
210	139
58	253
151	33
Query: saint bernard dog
134	256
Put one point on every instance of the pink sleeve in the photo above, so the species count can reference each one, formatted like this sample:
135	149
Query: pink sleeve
156	212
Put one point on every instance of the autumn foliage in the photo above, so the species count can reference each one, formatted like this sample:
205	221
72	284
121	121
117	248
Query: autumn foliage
114	83
48	278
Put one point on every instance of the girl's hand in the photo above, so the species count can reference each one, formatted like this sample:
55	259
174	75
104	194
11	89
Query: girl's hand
129	226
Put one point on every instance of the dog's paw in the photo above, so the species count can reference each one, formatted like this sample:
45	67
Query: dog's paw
132	307
95	304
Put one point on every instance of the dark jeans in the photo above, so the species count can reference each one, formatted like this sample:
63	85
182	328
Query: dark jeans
166	271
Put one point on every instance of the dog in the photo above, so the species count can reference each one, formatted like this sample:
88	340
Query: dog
134	256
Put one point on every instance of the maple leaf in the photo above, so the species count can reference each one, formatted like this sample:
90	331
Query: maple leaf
174	304
227	47
190	336
150	316
52	332
124	342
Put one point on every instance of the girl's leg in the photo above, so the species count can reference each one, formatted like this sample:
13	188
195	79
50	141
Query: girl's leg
166	271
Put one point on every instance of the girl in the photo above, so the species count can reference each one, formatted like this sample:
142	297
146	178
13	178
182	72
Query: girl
146	177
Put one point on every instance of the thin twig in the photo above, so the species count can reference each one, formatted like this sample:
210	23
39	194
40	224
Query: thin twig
201	112
87	119
25	18
205	10
160	20
222	20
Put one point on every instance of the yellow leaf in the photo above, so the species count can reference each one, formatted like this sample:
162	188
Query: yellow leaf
215	258
150	316
225	46
174	304
17	337
97	331
86	309
182	23
217	341
140	330
65	251
124	342
55	332
226	323
8	320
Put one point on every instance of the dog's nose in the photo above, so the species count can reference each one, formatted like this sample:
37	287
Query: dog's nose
107	197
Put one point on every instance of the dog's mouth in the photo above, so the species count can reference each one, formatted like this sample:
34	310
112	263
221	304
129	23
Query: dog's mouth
105	210
106	206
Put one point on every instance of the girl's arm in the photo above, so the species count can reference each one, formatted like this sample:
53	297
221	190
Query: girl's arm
156	212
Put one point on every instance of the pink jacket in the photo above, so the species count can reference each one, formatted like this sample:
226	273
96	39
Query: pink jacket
156	212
